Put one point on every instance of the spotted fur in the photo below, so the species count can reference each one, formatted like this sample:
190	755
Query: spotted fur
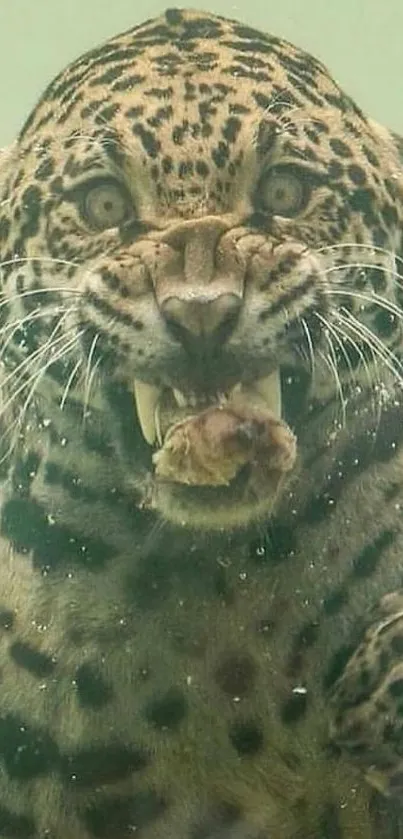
193	204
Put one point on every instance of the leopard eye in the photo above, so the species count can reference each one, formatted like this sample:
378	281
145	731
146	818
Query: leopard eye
105	204
283	192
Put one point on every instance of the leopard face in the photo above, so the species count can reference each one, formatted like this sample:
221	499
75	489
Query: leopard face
195	210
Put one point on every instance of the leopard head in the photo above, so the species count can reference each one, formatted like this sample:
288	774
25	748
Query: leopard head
197	221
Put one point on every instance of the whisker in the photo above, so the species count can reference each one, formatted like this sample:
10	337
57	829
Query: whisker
311	352
333	369
35	378
363	266
371	379
389	359
26	362
356	347
372	298
69	383
43	260
21	323
330	327
28	365
371	248
90	374
6	301
332	361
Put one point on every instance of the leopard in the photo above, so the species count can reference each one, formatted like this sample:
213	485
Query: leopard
201	425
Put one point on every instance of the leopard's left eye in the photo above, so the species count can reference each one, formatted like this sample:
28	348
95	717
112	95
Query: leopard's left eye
283	192
105	204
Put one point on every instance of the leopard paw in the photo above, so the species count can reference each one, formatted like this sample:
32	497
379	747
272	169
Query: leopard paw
367	699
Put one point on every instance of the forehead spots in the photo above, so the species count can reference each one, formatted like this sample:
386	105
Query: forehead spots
339	147
149	140
186	97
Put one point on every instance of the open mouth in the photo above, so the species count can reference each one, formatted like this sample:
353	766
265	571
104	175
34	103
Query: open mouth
228	450
159	409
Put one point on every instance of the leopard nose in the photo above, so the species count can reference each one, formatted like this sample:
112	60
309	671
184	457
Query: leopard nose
207	322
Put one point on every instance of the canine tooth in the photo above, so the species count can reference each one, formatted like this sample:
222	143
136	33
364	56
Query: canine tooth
157	423
179	397
146	398
269	389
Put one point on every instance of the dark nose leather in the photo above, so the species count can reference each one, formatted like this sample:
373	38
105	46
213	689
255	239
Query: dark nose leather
202	322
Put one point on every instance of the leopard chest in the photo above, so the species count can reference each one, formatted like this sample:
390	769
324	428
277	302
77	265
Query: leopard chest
187	684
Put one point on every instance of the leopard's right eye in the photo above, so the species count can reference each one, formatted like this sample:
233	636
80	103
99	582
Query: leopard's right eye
105	204
284	191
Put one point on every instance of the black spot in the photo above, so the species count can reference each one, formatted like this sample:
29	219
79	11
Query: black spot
45	169
389	215
220	155
246	737
385	323
4	228
185	168
128	83
396	644
335	170
24	472
178	133
280	544
231	129
222	586
337	664
202	27
111	75
367	560
167	711
31	205
306	638
395	688
371	156
13	826
294	708
174	17
236	674
6	619
216	822
25	523
122	817
148	139
329	824
167	165
92	690
335	601
378	279
202	168
107	114
361	200
36	662
266	626
27	751
102	765
151	585
357	174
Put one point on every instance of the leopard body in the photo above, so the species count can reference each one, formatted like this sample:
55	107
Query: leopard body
194	205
